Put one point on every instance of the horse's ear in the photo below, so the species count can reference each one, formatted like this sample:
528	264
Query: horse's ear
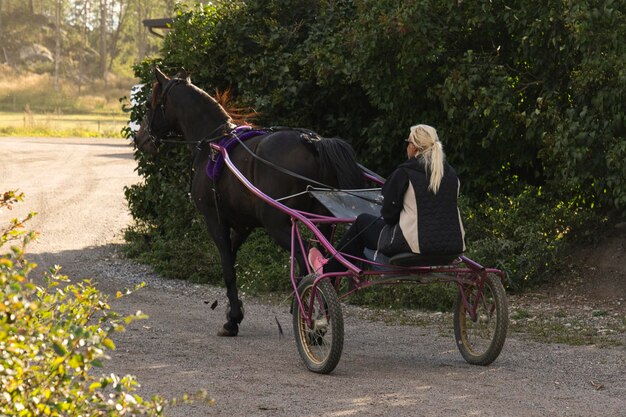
160	77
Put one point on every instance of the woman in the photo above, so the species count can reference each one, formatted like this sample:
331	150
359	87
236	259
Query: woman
419	212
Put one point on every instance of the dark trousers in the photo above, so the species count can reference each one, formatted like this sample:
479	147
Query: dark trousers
363	233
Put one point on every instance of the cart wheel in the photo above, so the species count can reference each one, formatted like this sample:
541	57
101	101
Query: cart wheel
481	340
319	346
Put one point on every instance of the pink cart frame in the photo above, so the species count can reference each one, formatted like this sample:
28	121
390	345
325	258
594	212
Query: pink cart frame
469	275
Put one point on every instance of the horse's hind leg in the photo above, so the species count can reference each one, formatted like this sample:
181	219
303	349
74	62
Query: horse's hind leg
221	237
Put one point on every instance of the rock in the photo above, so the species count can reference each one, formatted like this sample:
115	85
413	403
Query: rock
35	53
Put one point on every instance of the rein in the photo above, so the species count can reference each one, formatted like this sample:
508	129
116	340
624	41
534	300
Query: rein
296	175
228	129
281	169
211	138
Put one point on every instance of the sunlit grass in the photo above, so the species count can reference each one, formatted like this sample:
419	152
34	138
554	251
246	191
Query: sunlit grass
36	92
80	125
31	106
60	133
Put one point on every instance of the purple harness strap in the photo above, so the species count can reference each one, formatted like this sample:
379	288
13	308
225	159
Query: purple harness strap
240	133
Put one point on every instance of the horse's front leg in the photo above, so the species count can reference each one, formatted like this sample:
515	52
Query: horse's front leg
237	238
220	233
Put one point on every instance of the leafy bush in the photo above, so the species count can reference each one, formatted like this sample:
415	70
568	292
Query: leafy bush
514	89
53	337
520	92
528	234
436	297
262	267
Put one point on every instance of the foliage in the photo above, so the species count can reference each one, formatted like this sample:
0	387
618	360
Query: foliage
521	93
261	267
514	89
84	24
528	234
52	339
59	133
167	222
436	297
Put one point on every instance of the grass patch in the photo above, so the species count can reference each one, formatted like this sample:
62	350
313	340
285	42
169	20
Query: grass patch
434	297
567	330
37	93
31	106
519	314
58	133
80	125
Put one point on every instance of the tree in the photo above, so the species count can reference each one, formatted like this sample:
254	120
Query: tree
103	38
122	13
57	51
141	30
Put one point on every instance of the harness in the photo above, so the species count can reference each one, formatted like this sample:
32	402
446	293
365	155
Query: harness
227	135
229	141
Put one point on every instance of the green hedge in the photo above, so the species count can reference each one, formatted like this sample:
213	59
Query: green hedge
527	98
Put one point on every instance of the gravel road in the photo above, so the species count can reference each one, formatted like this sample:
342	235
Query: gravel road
76	185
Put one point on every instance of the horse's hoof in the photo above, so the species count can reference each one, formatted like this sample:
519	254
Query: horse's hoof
228	310
229	330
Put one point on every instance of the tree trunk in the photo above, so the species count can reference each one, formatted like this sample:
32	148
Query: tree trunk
141	31
1	4
82	14
103	39
57	52
121	21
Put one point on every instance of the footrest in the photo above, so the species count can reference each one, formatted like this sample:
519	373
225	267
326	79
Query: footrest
416	259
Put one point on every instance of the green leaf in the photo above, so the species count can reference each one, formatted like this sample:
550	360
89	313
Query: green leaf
59	349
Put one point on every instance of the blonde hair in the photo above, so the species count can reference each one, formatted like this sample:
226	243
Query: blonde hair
426	141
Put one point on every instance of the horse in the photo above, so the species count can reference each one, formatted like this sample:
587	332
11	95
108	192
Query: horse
280	162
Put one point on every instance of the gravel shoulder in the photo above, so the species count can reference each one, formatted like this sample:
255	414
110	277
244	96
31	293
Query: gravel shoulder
393	364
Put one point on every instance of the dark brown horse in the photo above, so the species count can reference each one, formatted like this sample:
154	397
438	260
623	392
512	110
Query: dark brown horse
279	164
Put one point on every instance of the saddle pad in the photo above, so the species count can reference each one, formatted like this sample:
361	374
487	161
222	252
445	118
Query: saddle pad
241	133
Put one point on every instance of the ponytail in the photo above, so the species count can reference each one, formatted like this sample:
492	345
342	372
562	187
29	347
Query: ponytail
434	162
426	140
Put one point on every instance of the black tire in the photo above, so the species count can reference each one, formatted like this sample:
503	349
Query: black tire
481	340
320	347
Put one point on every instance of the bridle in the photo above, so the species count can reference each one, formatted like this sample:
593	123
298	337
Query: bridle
156	141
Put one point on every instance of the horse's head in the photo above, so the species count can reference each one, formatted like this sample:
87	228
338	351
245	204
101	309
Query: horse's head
160	119
189	112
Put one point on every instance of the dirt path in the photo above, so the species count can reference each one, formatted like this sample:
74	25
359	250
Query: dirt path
386	370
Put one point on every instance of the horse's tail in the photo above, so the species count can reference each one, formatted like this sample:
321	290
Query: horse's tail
338	159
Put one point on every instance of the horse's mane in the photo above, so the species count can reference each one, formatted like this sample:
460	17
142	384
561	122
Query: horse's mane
237	114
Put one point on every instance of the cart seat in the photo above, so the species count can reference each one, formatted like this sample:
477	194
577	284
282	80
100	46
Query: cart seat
416	259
